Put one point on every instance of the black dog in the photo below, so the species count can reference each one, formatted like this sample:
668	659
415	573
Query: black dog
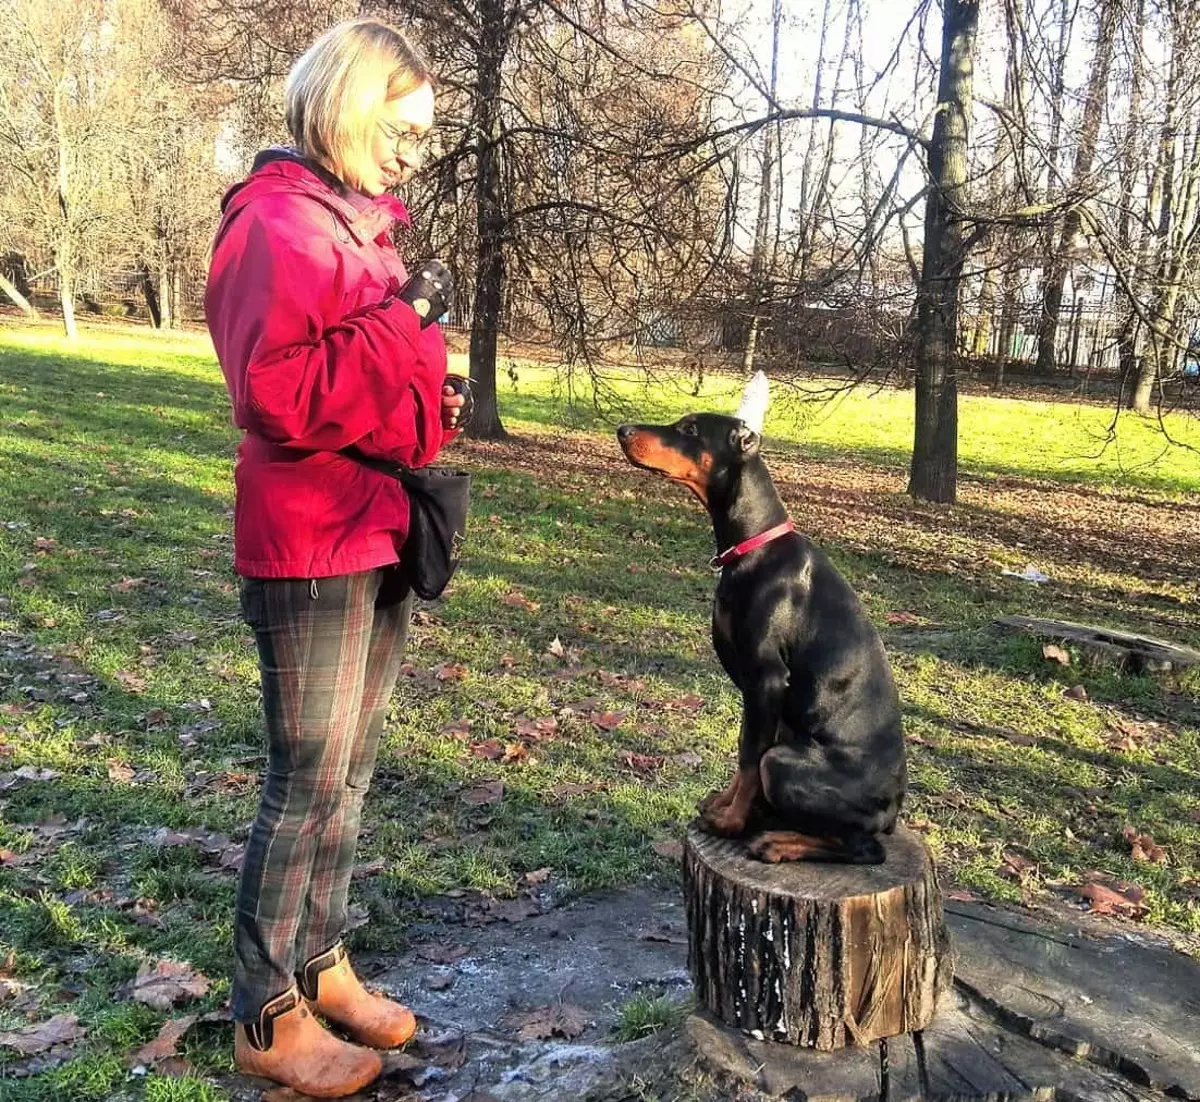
821	764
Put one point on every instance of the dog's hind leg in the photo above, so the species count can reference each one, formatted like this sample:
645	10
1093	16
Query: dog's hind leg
811	816
789	845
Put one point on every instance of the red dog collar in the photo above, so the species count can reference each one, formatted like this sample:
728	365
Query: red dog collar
752	544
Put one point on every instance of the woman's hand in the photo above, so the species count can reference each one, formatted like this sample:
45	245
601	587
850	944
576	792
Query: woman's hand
458	402
452	404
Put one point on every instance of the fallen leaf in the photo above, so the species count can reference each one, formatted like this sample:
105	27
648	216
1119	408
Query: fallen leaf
126	584
559	1020
62	1029
689	702
165	1043
642	763
688	758
513	910
672	850
961	895
514	751
542	727
1076	692
27	773
45	543
369	868
537	876
460	728
556	648
517	599
120	771
450	671
439	981
489	792
491	750
1016	866
1054	653
167	982
608	721
130	681
1143	847
901	617
443	954
1123	899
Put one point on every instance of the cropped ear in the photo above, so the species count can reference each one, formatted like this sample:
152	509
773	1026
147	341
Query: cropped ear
755	400
745	440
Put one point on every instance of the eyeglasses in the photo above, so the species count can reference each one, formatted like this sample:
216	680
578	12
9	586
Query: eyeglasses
407	141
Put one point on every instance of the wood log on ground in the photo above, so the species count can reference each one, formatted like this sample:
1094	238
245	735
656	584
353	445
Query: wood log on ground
1125	649
819	955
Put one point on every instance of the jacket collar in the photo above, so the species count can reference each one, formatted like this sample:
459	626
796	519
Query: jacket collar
365	217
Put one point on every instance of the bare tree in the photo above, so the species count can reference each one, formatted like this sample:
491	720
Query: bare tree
1085	153
933	472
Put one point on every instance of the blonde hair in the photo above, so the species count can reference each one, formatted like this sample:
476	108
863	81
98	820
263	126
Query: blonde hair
335	90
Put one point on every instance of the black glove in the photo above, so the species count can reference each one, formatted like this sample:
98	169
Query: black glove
429	291
462	385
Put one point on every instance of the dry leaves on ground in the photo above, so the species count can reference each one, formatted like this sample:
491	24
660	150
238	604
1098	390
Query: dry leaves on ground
62	1029
1143	847
1016	866
540	1024
166	982
164	1047
490	792
1115	898
1054	653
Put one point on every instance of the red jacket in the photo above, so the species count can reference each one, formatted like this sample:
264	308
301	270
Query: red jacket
318	354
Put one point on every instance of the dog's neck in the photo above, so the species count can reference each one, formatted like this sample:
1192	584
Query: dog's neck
745	505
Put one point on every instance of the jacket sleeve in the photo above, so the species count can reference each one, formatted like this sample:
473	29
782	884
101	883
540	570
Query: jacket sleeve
300	375
413	434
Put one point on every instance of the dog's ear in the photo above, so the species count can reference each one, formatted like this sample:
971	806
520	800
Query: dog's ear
745	440
755	400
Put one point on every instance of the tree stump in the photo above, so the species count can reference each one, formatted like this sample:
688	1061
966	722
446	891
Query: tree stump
819	955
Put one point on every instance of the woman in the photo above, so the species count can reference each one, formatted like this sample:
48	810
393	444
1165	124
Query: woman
326	344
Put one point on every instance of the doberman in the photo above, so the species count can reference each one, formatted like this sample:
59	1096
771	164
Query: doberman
821	763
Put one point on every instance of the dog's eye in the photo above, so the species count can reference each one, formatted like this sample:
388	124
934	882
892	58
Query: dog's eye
688	428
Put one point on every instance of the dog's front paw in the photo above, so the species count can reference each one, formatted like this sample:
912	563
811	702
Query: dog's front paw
726	822
714	801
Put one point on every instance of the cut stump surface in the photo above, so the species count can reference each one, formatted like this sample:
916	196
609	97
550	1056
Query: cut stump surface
818	955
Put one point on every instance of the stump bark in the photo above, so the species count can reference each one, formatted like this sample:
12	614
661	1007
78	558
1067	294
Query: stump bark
819	955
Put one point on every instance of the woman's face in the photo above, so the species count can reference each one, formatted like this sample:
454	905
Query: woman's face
397	147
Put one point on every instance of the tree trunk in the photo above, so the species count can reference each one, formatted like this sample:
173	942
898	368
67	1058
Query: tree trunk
489	270
18	299
760	263
66	296
818	955
165	290
1131	240
933	474
1085	154
150	295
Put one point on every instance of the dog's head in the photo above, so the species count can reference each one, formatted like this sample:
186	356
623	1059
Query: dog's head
702	449
698	450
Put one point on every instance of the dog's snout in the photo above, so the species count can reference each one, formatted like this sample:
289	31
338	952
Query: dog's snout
624	432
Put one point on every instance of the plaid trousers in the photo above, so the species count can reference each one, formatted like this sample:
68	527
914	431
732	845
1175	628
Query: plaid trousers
329	653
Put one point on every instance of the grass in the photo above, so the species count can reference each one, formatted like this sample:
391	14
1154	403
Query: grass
125	669
645	1014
